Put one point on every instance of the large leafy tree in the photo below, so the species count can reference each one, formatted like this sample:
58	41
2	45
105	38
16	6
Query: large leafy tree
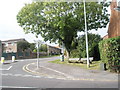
60	21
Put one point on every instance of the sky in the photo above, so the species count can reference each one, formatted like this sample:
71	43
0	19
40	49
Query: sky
9	28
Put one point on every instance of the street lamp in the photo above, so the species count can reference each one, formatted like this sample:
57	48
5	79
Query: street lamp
118	6
86	36
38	42
117	9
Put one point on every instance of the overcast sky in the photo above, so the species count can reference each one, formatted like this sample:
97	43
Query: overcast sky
9	28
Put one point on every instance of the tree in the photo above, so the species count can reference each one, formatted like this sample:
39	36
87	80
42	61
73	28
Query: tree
93	41
23	45
60	21
43	48
32	46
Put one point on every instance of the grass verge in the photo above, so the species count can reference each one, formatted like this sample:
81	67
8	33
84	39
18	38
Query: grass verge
49	56
94	66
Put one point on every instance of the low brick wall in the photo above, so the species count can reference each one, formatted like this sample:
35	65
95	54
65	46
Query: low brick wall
22	55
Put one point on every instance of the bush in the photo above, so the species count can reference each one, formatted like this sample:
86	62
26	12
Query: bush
74	53
93	41
110	53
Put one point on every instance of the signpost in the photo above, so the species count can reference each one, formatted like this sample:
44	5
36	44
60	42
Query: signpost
38	43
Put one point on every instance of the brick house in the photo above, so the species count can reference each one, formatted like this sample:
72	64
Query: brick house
53	50
10	46
114	25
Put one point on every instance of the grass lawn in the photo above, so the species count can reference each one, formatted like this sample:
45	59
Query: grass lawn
48	56
94	66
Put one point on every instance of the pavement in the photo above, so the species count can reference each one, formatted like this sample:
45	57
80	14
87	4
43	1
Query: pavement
66	72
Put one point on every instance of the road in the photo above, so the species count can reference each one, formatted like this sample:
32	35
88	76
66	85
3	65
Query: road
13	76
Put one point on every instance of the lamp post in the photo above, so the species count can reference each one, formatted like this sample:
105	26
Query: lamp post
117	9
118	6
86	36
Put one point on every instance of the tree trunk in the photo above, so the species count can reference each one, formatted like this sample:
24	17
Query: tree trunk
68	54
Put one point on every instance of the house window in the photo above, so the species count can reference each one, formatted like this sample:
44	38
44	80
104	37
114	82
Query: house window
13	44
6	44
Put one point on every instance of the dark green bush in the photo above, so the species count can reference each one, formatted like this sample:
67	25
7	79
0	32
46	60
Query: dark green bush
110	53
93	41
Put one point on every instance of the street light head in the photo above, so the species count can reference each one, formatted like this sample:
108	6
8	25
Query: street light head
117	9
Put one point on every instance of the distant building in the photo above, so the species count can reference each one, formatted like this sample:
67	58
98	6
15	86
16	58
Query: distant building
114	25
53	50
10	48
11	45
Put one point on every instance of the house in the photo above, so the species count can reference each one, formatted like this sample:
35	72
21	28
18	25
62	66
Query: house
52	50
114	25
10	46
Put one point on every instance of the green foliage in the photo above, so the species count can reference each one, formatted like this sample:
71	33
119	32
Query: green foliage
32	46
74	53
43	48
60	21
93	40
23	45
35	50
110	53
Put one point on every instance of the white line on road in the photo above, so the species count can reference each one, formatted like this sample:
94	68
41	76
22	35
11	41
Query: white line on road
9	68
6	69
19	75
16	87
68	76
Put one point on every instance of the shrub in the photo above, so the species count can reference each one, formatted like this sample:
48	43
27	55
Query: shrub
93	41
74	53
110	53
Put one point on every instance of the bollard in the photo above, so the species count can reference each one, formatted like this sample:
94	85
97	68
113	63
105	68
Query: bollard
61	58
2	60
13	58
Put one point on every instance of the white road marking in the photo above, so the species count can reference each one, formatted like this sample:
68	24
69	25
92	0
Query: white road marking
28	76
68	76
6	69
37	76
20	75
16	87
9	68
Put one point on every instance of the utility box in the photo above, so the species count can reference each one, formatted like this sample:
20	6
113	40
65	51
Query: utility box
102	66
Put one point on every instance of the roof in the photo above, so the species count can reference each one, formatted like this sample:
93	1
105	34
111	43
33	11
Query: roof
13	40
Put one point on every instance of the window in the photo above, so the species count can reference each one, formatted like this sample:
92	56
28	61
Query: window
6	44
13	44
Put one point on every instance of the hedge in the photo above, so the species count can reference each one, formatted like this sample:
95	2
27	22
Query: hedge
110	53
